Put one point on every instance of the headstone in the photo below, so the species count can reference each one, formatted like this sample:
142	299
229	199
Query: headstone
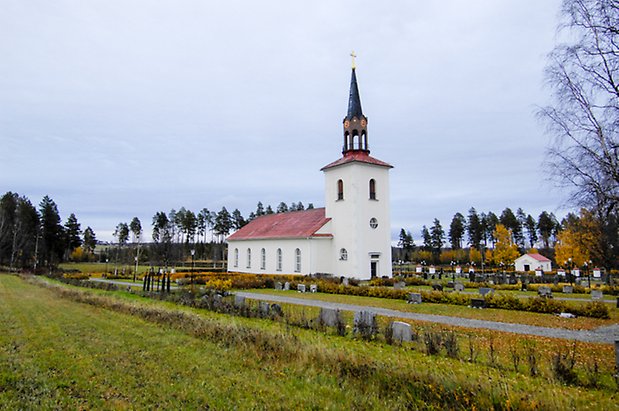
478	303
459	287
567	315
450	284
597	273
365	323
286	286
313	288
437	287
399	285
576	272
538	273
239	301
217	299
597	295
329	317
544	292
277	309
414	298
568	289
279	286
264	308
401	331
418	269
486	290
301	288
432	269
458	270
345	281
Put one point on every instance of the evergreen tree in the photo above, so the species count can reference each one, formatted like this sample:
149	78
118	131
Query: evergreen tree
474	228
437	235
530	225
224	223
282	207
427	239
237	219
456	231
90	240
259	209
546	225
73	232
52	244
269	210
491	221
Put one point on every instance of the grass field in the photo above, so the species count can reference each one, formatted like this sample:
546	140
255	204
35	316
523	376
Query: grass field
73	348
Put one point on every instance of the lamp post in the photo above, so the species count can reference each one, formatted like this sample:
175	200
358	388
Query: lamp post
453	270
193	252
587	271
107	260
570	270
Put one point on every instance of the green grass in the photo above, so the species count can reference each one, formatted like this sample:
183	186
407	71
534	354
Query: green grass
508	316
122	351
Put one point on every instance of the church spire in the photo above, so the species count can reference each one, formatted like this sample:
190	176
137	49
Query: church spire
355	123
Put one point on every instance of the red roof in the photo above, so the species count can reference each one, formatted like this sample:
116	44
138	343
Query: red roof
538	257
293	224
359	156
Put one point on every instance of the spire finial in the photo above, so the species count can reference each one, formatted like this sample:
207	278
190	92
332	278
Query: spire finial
353	55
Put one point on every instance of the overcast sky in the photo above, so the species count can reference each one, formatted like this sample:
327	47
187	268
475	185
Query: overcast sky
124	108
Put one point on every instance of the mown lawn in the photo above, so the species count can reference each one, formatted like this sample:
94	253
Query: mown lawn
508	316
58	353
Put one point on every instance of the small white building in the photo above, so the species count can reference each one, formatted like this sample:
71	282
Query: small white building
349	237
532	262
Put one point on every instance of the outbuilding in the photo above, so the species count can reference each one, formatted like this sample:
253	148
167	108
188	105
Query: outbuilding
532	262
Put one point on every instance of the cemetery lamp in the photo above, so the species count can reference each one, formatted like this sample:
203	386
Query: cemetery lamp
193	252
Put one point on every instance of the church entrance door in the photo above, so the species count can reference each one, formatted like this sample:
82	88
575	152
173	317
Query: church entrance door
374	268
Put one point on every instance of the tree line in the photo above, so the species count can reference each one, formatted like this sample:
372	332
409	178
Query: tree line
33	237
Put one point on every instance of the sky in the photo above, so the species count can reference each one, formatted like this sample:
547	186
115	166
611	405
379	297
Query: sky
118	109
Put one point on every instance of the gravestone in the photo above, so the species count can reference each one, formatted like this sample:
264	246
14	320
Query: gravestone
418	269
458	270
597	273
277	310
217	299
301	288
568	289
478	303
365	323
437	287
401	331
286	286
576	272
313	288
345	281
486	290
432	270
239	301
399	285
544	292
279	286
450	284
597	295
414	298
264	308
459	287
538	273
329	317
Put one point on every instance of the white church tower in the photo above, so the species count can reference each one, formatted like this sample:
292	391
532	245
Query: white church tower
357	200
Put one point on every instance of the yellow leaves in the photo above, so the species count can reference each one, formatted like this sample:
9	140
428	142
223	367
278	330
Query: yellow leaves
505	251
579	240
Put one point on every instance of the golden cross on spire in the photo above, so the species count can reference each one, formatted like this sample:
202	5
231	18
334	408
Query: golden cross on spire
353	55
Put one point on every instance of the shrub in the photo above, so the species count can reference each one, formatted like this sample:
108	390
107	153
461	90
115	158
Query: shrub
593	309
433	341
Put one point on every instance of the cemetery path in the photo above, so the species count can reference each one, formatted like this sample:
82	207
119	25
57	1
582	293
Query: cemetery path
608	334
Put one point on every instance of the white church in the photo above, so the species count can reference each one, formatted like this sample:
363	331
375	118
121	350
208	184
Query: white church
349	237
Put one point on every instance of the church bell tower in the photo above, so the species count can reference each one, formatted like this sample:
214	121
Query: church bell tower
357	200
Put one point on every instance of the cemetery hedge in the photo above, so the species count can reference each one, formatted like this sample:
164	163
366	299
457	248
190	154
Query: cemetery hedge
366	375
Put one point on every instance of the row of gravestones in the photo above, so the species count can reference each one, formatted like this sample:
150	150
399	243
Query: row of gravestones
313	288
365	324
264	307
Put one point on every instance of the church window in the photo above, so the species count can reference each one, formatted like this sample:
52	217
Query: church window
340	190
372	189
263	259
343	254
373	222
236	257
297	260
279	259
249	258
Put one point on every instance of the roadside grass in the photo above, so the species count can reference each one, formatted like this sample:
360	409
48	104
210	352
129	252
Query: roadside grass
56	353
491	314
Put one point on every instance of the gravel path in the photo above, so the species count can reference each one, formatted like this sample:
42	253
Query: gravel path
607	334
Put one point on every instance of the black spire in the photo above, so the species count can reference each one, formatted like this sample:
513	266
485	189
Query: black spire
355	123
354	102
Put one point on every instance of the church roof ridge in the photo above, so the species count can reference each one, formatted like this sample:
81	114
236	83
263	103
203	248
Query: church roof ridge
359	156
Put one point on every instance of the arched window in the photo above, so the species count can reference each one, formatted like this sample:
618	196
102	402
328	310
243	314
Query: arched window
343	254
372	189
249	258
297	260
340	190
279	259
236	257
263	259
